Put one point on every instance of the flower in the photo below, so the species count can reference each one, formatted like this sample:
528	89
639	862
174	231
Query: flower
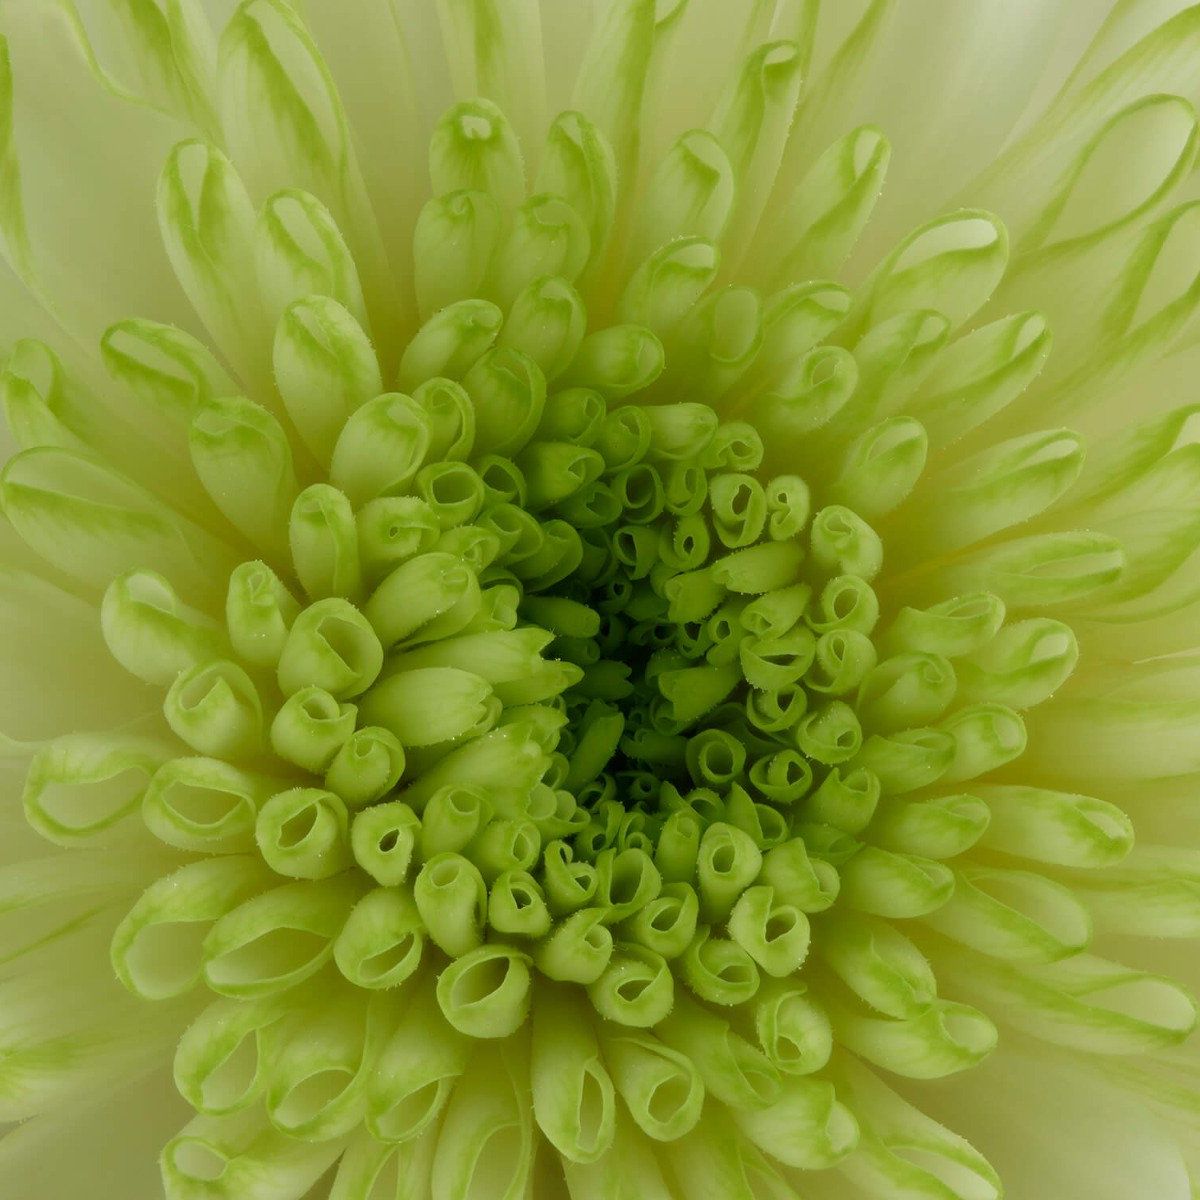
546	654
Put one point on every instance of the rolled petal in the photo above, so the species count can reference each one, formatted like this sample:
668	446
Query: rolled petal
299	252
486	1134
277	939
76	511
573	1098
303	832
734	1071
204	804
324	543
330	645
207	224
418	1069
216	709
478	1001
452	898
311	728
325	369
151	632
157	950
81	785
383	838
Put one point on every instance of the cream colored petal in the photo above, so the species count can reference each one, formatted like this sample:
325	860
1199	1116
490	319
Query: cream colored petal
376	53
91	249
50	645
162	52
122	1153
1054	1131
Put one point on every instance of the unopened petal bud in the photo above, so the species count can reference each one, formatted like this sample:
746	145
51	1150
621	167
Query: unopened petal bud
330	645
884	884
381	944
304	833
433	587
151	632
453	242
325	367
938	827
311	728
242	456
216	709
258	612
323	538
393	529
508	391
383	838
759	569
808	883
366	767
380	448
504	844
450	342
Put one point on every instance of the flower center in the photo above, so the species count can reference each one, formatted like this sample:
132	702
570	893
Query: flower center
683	617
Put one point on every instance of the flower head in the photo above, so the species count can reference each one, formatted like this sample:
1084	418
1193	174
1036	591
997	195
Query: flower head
560	660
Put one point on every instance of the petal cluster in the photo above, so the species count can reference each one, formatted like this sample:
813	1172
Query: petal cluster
611	683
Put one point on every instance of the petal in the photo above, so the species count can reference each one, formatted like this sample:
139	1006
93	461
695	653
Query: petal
123	1153
1053	1131
68	124
51	640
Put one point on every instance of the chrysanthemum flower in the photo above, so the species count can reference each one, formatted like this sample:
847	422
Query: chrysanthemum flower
546	656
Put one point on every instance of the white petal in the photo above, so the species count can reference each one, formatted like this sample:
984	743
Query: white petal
165	56
1054	1131
107	1143
375	60
87	162
50	643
